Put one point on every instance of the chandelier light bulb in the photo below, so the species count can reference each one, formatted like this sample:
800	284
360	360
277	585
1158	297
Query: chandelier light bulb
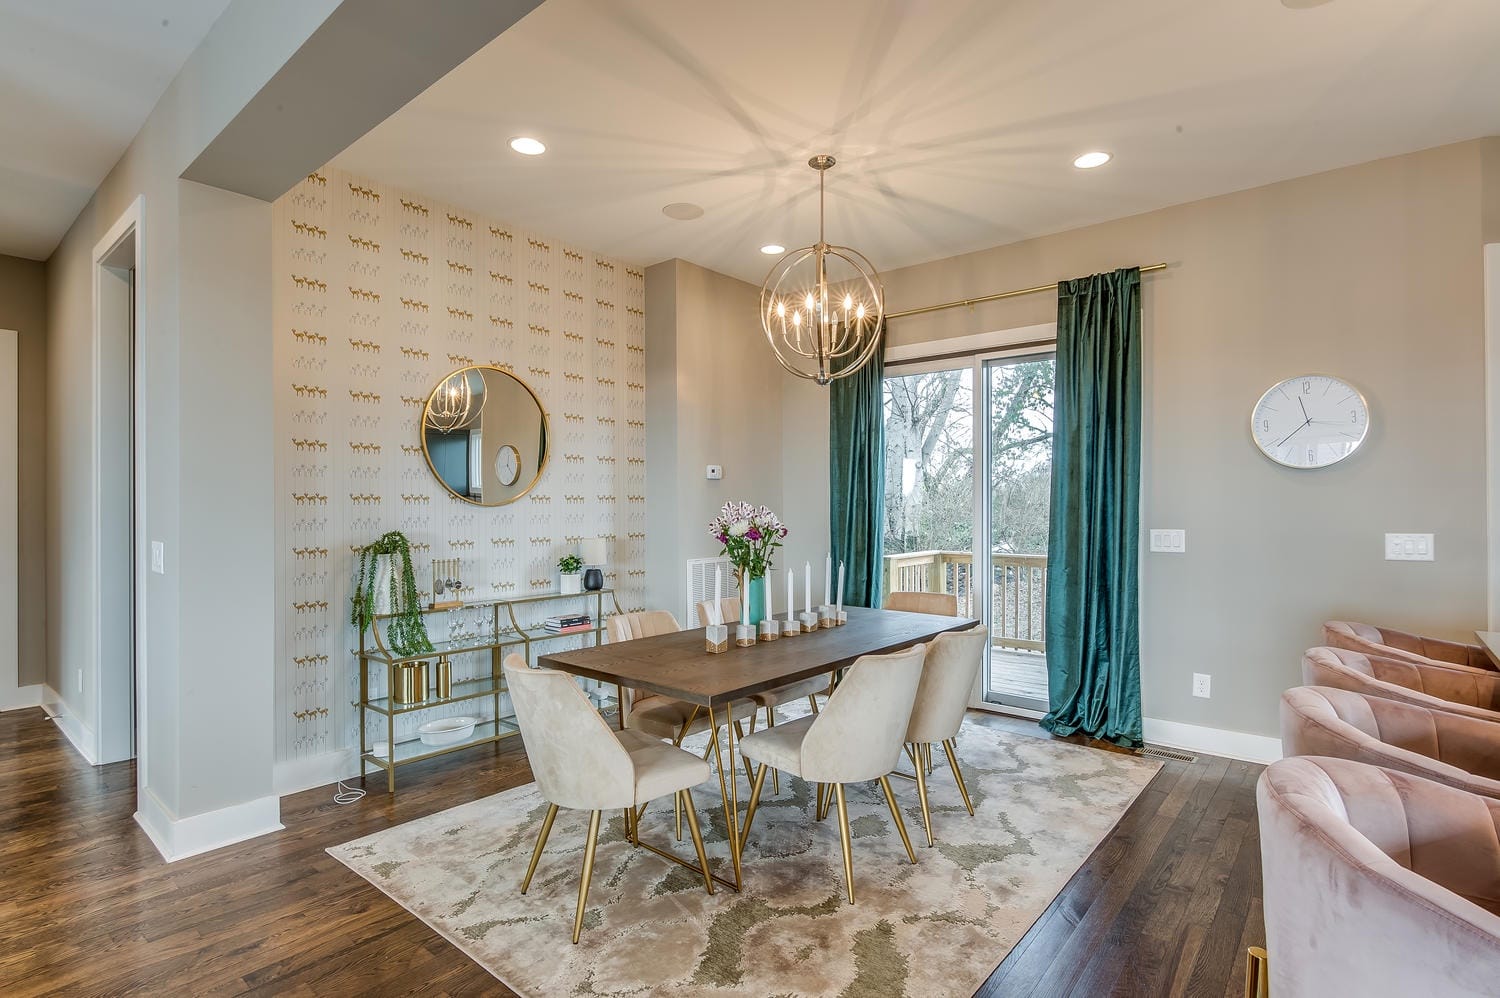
833	342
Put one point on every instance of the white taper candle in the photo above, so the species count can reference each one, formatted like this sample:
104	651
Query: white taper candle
840	603
807	586
828	581
789	595
717	616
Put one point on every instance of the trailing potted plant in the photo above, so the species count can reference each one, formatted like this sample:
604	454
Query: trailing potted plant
385	585
570	574
750	535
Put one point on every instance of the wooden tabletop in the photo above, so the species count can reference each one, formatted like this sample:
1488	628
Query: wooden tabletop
677	665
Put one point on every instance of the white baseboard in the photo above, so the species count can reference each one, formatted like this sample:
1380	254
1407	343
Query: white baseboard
1213	741
21	697
80	734
179	838
296	775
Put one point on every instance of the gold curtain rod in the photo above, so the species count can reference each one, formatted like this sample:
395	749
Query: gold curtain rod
1004	294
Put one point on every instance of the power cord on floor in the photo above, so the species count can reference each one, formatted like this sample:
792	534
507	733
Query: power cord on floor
347	795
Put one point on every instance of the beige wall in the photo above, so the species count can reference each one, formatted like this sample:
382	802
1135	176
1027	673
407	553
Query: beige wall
23	307
1371	273
716	392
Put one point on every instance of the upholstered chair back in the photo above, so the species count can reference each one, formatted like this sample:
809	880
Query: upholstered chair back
860	731
1377	882
1452	749
1465	691
728	605
577	761
953	660
941	603
1403	645
643	624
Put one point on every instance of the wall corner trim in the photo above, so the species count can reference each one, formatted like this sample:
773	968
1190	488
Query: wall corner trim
80	734
21	697
179	838
1260	749
293	776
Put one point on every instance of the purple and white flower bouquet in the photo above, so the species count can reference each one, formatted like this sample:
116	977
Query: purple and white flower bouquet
750	535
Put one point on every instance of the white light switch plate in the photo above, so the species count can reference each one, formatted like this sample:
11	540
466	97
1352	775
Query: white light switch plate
1169	541
159	557
1410	547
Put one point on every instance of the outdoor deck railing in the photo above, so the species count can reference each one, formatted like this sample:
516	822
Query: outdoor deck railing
1018	590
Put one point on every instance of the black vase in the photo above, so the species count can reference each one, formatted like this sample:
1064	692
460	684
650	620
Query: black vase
593	579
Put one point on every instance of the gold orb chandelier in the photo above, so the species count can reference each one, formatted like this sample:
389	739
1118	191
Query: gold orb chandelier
453	402
822	306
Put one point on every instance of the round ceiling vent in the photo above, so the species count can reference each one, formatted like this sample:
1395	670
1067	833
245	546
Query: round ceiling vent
683	211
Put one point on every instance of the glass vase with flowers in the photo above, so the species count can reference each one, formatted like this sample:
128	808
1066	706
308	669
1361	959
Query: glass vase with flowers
750	536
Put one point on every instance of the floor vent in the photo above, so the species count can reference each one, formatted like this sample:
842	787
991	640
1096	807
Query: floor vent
1177	755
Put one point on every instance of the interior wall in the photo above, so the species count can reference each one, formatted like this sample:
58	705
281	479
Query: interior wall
379	295
1371	273
726	402
23	307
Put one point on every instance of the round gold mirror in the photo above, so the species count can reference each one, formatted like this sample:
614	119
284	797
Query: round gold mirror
484	433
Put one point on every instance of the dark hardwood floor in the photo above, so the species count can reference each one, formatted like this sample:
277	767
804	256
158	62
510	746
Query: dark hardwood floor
1165	906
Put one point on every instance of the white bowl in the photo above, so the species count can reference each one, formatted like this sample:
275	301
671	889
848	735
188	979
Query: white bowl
447	730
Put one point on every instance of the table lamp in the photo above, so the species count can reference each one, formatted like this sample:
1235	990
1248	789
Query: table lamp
592	551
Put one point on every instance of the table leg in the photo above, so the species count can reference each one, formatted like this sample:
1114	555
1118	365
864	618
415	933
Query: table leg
731	797
620	705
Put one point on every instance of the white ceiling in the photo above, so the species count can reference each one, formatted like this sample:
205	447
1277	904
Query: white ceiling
955	121
77	80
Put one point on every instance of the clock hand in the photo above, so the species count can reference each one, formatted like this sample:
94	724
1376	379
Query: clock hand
1292	434
1304	410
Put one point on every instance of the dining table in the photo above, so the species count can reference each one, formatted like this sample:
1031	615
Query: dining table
678	665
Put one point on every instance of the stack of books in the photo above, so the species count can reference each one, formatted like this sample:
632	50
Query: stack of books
568	623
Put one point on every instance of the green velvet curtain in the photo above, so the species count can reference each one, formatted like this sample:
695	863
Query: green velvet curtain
856	479
1093	637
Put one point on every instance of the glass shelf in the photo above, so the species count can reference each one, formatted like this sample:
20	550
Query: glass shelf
414	750
466	689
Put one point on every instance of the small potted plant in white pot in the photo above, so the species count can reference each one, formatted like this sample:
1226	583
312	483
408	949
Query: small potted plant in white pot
570	579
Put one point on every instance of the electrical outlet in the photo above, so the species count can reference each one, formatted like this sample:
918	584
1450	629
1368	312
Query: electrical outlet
714	473
1169	541
1201	685
1410	547
159	557
80	680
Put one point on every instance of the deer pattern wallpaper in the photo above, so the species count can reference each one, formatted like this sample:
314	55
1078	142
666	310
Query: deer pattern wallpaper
379	294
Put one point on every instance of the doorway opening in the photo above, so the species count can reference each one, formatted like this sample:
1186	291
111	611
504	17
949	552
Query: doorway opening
968	502
117	687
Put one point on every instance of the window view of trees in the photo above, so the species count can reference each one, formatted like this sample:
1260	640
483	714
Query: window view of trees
929	459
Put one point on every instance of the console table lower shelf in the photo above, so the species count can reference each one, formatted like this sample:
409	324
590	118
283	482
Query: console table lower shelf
416	750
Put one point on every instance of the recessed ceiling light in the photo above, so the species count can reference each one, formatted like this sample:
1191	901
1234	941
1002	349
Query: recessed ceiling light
771	249
683	211
527	146
1089	160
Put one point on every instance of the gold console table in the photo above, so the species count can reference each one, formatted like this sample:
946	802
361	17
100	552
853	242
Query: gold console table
495	639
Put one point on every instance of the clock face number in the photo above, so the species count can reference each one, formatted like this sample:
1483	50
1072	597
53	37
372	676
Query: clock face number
1310	422
508	465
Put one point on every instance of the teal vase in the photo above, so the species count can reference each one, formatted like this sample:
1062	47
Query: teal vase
757	600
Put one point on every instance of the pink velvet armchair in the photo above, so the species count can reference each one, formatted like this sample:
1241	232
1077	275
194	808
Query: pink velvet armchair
1377	883
1447	748
1459	691
1403	646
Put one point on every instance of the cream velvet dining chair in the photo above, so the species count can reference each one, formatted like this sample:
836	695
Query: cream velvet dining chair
953	660
581	763
856	738
1404	646
1440	687
940	603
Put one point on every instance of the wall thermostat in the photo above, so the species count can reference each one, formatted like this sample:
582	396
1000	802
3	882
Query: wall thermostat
715	472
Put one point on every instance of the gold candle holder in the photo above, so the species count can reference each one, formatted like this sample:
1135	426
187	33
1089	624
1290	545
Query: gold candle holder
744	635
770	630
716	639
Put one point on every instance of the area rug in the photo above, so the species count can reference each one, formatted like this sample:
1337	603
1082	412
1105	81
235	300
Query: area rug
937	928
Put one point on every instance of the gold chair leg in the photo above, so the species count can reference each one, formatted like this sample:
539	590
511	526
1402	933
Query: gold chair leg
626	816
926	812
775	773
541	840
890	801
588	873
760	781
846	840
814	701
958	774
685	801
825	800
1257	973
911	753
677	806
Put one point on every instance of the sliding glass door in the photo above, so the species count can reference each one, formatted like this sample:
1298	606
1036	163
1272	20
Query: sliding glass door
1017	461
967	502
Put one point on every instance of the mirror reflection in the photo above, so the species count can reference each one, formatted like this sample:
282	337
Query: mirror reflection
485	435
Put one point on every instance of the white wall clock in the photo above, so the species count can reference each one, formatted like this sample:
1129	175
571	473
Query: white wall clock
1310	421
508	465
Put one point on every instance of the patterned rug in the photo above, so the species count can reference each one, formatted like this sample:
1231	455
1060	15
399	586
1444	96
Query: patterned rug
937	928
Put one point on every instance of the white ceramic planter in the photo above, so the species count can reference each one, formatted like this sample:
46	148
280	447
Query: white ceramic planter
569	585
384	569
